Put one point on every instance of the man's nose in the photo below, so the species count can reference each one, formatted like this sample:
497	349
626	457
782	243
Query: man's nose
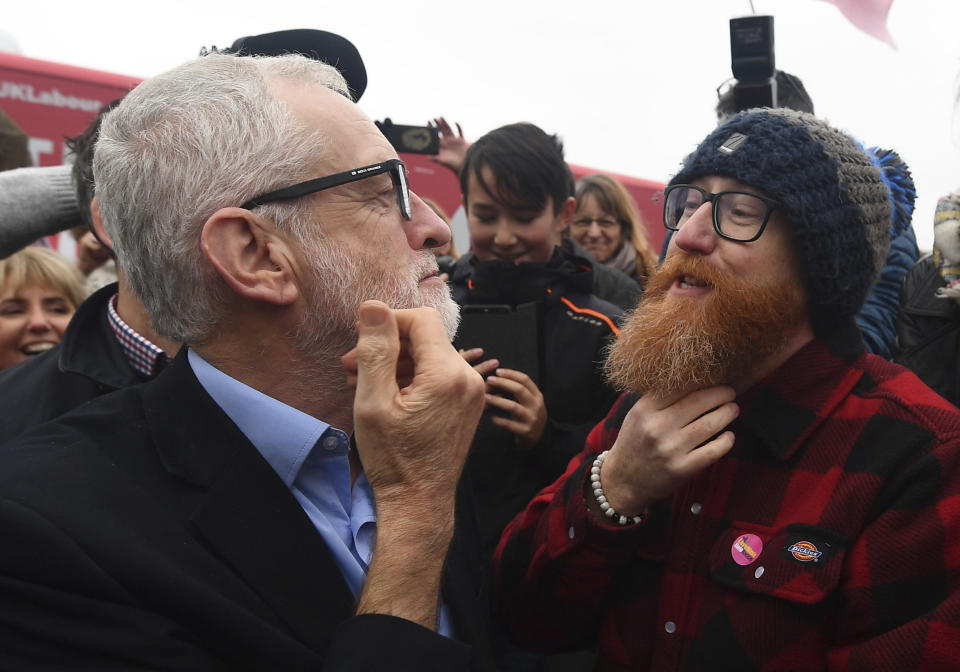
425	229
697	234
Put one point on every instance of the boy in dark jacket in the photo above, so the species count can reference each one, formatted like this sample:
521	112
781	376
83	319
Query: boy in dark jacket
518	193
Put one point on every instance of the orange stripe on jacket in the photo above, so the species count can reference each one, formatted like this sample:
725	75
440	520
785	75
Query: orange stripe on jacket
587	311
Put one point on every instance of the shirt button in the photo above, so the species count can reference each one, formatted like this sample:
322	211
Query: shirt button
696	508
757	574
571	532
670	627
331	443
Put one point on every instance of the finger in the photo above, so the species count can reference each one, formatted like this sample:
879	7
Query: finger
707	454
691	405
504	404
516	389
349	362
459	130
708	425
519	377
378	347
423	329
471	355
404	363
508	424
428	346
485	368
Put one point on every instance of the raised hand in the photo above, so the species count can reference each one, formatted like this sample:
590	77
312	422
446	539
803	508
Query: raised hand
663	442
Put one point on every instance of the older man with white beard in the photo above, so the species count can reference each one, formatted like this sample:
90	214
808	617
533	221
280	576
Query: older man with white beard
766	495
249	509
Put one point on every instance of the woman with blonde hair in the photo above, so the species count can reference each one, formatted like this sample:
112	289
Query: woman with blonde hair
607	225
39	293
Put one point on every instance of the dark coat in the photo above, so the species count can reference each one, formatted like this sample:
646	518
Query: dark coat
609	284
575	329
88	362
928	331
144	531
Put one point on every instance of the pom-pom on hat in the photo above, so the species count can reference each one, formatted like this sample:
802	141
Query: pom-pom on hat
833	196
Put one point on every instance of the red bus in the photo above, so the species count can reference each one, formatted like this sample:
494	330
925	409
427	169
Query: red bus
53	101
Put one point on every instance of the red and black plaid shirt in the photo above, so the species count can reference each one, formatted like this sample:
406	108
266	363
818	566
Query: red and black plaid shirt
845	471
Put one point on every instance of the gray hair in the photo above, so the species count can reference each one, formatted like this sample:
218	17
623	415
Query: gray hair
206	135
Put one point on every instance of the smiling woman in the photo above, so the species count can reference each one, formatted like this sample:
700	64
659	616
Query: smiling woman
39	292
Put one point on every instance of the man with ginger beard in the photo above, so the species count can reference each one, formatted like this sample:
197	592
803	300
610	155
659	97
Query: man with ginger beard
765	495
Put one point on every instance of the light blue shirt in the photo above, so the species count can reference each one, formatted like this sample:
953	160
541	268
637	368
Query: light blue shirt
311	458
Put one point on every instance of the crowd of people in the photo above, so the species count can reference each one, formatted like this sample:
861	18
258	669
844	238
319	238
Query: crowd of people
294	428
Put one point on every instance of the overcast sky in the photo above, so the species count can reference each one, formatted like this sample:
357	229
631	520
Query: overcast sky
629	86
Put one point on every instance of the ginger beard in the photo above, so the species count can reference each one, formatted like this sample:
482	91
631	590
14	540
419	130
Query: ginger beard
672	343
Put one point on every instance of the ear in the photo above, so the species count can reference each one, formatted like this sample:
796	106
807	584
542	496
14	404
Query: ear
251	258
565	214
98	229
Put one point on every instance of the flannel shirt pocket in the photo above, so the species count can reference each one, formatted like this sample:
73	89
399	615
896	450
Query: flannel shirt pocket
801	563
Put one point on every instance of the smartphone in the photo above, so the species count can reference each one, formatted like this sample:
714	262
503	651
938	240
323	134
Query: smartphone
411	139
509	335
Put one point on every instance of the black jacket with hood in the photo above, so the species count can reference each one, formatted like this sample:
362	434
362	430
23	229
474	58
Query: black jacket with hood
575	327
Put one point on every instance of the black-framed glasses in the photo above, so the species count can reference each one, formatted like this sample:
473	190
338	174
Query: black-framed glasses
395	167
605	223
737	215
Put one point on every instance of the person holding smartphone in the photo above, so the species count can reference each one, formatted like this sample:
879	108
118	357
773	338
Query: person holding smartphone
518	194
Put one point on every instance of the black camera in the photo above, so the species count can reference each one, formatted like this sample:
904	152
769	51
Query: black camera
410	139
752	61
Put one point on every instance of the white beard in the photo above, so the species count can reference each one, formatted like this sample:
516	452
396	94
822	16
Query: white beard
343	279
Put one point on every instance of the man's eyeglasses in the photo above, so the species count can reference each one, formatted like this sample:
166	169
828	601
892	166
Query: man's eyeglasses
605	223
737	215
398	173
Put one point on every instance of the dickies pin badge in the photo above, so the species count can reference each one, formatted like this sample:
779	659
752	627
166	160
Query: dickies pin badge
732	144
746	549
804	551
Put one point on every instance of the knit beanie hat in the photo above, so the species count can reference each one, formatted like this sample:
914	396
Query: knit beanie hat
834	198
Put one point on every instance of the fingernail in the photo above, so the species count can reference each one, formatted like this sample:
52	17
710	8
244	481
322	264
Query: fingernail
372	316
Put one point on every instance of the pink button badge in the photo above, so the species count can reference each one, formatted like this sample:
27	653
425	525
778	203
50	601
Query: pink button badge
746	549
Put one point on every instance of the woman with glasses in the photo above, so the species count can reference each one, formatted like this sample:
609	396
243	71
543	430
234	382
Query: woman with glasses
607	225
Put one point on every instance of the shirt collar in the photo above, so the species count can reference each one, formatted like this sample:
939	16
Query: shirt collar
282	434
146	358
787	406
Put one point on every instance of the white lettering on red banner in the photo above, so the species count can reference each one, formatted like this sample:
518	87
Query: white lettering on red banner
53	97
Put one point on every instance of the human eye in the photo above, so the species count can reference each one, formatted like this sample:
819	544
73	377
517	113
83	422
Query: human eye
483	215
59	307
691	203
745	209
741	215
581	223
12	306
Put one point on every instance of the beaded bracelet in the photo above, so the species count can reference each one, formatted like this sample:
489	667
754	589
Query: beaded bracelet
608	510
